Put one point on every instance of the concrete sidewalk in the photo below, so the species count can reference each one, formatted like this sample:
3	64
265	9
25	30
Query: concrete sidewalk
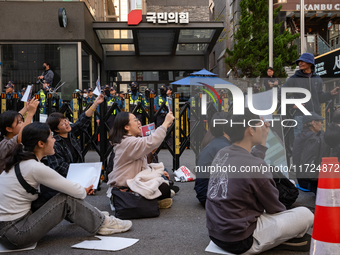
178	230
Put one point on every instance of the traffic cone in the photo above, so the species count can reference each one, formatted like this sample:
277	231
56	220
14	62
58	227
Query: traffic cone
326	230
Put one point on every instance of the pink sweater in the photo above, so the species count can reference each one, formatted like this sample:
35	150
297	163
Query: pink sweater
130	158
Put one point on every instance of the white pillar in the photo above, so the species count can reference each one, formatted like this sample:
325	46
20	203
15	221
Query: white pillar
302	25
80	71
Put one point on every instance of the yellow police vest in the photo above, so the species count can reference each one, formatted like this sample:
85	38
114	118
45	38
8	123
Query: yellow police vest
110	103
135	102
43	100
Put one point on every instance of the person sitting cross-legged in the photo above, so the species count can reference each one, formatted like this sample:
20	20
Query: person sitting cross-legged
67	146
130	167
20	227
244	214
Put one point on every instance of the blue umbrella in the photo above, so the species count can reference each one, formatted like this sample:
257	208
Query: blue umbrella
200	78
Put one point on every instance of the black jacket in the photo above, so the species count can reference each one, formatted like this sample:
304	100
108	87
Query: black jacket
314	85
63	157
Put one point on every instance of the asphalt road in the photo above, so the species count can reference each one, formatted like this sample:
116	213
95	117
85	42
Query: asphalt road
178	230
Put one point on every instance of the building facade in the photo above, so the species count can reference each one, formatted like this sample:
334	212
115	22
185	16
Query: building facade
98	41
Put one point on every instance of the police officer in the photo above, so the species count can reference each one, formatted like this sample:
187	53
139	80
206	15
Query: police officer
158	102
121	99
147	99
9	95
113	92
43	92
161	116
169	92
54	99
90	97
135	97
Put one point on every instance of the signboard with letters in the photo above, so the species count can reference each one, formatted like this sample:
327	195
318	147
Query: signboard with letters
328	66
309	5
168	17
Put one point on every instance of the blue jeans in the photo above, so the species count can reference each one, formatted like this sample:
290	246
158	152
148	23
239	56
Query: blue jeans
30	228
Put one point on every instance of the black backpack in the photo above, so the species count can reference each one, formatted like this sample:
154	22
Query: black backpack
288	193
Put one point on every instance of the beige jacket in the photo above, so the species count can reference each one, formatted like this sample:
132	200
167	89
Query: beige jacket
146	183
130	156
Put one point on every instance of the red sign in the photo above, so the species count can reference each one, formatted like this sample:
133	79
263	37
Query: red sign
135	17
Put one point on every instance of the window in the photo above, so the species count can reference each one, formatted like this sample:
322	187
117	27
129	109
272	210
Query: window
22	63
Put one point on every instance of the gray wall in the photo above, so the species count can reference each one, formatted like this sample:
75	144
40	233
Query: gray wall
38	21
198	9
147	63
219	11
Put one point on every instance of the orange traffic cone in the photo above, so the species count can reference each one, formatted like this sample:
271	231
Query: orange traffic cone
326	230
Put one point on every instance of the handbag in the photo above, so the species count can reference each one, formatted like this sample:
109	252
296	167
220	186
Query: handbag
40	201
131	205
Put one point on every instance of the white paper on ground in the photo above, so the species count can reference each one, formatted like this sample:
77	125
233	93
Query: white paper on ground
215	249
85	174
107	243
3	249
27	93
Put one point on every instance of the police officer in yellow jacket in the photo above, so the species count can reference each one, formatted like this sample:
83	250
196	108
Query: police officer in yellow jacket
134	98
161	116
158	102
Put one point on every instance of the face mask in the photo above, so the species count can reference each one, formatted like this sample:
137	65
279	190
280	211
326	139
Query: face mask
163	92
84	95
44	67
133	89
107	93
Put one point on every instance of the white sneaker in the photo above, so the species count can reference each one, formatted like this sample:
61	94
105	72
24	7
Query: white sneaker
115	226
172	193
105	213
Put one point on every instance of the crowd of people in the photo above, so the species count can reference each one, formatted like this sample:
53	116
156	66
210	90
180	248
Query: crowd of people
244	213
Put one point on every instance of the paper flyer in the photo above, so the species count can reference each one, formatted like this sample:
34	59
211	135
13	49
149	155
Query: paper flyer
148	129
28	94
86	174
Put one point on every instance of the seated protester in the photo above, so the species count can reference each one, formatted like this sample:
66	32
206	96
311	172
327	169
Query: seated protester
11	125
219	140
67	146
244	214
19	226
130	160
307	148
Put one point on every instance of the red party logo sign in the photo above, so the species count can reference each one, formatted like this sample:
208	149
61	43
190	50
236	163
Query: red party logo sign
135	17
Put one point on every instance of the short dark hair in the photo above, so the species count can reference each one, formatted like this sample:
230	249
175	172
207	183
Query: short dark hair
236	132
54	119
216	131
332	135
118	130
270	68
6	120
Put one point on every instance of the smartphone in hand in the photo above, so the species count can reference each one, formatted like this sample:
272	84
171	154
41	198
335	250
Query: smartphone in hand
169	100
